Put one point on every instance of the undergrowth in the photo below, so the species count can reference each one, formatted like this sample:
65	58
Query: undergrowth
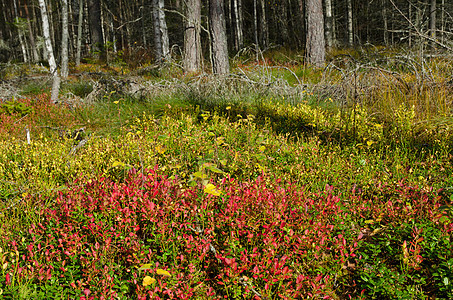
247	187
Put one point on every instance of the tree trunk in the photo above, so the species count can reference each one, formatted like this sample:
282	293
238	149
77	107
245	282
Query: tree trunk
442	21
255	27
31	35
49	48
282	21
432	19
142	15
350	25
316	52
385	20
409	13
329	24
97	39
157	32
192	42
220	64
64	39
239	38
264	26
164	31
79	33
20	30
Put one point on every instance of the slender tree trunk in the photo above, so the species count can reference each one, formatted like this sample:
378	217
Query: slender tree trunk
432	19
20	30
350	25
239	38
264	25
64	39
51	57
385	20
31	35
142	15
255	26
220	64
316	52
329	25
228	22
409	15
192	42
157	32
282	21
164	31
97	39
126	14
442	20
419	27
79	33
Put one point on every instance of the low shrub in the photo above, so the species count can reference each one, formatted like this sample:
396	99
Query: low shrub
258	239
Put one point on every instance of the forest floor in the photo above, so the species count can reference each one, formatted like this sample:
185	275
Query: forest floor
278	181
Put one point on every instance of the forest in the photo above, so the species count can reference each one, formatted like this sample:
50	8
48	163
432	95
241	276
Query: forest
226	149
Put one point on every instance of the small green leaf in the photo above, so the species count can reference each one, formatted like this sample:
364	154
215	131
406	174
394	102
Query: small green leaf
212	190
200	175
145	267
163	272
118	164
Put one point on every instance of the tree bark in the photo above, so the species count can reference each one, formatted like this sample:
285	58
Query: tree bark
164	32
97	39
239	38
49	48
316	52
220	63
350	25
79	32
432	19
31	35
192	42
264	26
385	20
329	24
64	39
157	32
255	27
20	31
282	21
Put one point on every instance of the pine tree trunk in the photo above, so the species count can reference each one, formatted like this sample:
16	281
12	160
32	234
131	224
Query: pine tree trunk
432	19
142	15
79	33
64	39
350	25
239	38
264	26
385	20
255	27
164	32
192	42
97	39
316	52
31	35
329	24
20	34
442	21
282	21
220	63
157	32
49	48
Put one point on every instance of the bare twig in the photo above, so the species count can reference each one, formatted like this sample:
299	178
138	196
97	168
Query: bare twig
419	33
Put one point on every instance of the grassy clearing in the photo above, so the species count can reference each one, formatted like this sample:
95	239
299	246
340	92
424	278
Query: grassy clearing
246	187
